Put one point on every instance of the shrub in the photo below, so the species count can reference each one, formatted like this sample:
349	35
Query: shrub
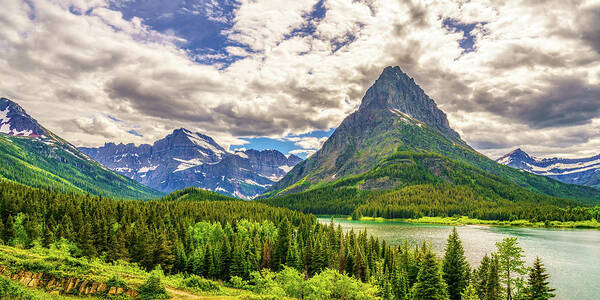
13	290
116	281
197	282
238	283
153	288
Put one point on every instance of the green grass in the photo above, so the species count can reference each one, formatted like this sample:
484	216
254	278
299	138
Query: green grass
58	262
462	220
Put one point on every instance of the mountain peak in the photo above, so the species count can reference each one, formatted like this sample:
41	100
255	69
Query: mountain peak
15	121
514	158
395	91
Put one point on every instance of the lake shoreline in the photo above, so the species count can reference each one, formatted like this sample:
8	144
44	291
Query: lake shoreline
461	221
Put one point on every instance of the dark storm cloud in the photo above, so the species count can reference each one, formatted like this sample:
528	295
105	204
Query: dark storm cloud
569	102
157	100
590	25
566	102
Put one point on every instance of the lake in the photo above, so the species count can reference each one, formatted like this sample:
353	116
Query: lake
571	256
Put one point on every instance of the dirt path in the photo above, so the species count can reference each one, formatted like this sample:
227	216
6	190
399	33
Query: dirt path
179	294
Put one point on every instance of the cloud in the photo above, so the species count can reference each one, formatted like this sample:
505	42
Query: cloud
303	152
309	142
274	69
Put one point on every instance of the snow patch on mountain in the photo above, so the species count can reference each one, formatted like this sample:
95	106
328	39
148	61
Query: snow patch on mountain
583	171
286	168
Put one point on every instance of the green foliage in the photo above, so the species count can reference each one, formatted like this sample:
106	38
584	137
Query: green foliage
13	290
62	167
413	185
455	267
512	265
538	287
429	285
470	293
197	282
153	288
214	241
116	281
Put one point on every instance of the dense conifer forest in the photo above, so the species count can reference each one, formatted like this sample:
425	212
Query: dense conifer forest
241	243
428	184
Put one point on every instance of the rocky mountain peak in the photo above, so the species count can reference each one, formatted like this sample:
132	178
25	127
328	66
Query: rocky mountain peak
398	93
515	158
15	121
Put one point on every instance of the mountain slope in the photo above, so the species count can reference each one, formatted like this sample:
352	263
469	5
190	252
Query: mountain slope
183	159
32	155
581	171
396	116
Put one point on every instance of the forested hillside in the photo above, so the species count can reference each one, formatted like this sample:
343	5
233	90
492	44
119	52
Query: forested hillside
34	156
428	184
274	252
39	164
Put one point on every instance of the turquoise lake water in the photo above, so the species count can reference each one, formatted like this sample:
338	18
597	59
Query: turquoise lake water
571	256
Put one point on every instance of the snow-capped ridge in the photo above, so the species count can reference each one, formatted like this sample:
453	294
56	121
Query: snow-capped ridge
584	171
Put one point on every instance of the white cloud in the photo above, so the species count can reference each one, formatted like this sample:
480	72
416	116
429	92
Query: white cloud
64	68
308	142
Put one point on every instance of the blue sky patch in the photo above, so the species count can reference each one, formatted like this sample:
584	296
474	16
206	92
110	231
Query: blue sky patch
468	41
283	145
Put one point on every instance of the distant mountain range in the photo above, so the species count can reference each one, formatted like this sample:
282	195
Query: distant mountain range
400	143
32	155
185	159
581	171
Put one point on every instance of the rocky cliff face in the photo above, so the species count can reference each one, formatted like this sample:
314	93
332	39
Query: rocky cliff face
184	158
70	286
581	171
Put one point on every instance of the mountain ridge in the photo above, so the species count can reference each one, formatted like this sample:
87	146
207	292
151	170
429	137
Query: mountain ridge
581	171
33	155
187	159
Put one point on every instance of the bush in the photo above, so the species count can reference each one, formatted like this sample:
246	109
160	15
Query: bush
238	283
197	282
13	290
116	281
154	288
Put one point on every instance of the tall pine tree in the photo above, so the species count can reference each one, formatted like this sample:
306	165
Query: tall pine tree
430	284
455	267
538	286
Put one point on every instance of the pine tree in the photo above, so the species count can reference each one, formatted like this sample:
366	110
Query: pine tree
430	284
492	287
399	283
480	276
237	262
86	240
293	257
512	265
538	286
455	267
163	254
283	243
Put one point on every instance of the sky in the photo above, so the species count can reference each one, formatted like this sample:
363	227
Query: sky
283	74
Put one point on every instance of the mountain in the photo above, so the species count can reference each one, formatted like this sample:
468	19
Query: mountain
33	155
184	159
581	171
399	138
